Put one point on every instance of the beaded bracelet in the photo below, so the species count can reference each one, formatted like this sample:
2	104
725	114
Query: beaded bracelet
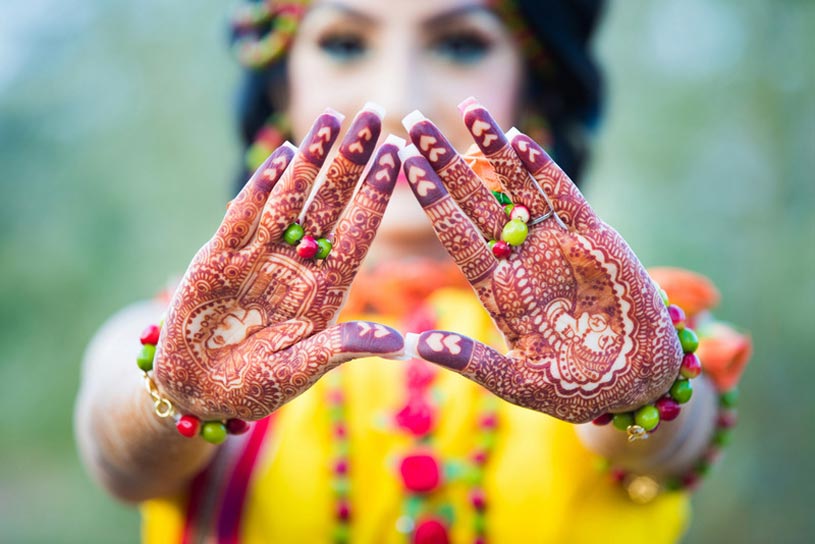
187	425
643	489
644	420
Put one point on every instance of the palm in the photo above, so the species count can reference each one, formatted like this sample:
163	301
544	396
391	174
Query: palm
588	330
252	324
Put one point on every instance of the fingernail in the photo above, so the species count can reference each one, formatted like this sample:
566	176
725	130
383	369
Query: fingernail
511	133
408	151
335	113
468	103
373	107
412	118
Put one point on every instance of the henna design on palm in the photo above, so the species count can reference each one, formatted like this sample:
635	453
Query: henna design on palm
587	328
252	325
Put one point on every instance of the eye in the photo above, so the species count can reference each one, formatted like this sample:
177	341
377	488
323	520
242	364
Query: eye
343	47
462	47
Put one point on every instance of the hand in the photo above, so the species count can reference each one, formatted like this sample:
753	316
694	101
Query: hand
587	328
252	325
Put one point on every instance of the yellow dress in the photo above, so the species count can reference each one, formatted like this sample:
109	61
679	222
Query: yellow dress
541	484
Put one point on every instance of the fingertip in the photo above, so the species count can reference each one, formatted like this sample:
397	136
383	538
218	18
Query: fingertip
408	151
289	145
512	132
374	108
396	141
412	118
334	113
468	103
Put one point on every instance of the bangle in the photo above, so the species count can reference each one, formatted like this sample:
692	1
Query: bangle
642	489
639	423
188	425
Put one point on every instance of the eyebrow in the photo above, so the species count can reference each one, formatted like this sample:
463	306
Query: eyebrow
437	20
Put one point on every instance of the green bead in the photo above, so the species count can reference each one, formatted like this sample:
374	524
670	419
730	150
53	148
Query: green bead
341	486
515	232
502	198
673	484
647	417
688	339
664	296
508	209
145	358
293	234
729	399
342	533
448	513
681	391
702	468
213	432
323	248
722	437
623	421
492	243
413	506
480	523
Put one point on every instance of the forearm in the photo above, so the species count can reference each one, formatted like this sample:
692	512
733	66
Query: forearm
126	447
670	451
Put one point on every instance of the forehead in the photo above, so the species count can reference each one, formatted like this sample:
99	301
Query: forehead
406	10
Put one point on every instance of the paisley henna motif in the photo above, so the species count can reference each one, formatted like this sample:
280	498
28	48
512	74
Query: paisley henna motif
587	329
252	325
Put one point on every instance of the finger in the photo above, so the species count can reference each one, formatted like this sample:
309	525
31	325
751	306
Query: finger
282	369
462	183
243	214
343	173
510	378
287	198
356	228
567	201
457	233
510	170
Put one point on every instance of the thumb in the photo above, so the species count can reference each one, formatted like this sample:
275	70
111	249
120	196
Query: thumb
352	340
461	354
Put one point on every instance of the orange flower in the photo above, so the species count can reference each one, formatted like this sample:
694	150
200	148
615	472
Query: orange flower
724	353
476	160
691	291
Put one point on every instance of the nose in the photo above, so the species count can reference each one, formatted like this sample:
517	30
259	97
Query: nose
399	88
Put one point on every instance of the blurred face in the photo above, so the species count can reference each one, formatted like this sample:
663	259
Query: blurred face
405	55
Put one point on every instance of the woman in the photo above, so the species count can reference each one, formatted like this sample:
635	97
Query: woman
382	450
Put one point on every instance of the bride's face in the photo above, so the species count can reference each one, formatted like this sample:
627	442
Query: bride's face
404	55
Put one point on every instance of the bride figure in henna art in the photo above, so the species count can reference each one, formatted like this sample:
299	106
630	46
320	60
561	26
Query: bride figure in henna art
587	328
252	324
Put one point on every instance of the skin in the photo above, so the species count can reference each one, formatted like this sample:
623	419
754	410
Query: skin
252	325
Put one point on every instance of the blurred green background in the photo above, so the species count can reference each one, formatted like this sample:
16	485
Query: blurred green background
117	154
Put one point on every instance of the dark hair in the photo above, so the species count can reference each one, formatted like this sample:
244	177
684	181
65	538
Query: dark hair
568	95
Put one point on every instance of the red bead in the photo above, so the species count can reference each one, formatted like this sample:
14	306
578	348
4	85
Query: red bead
420	472
691	366
423	319
340	431
478	499
341	467
501	249
416	417
480	457
677	315
727	419
188	425
343	511
420	375
690	481
430	531
479	540
307	248
150	335
618	475
712	455
668	408
236	426
335	397
604	419
489	421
